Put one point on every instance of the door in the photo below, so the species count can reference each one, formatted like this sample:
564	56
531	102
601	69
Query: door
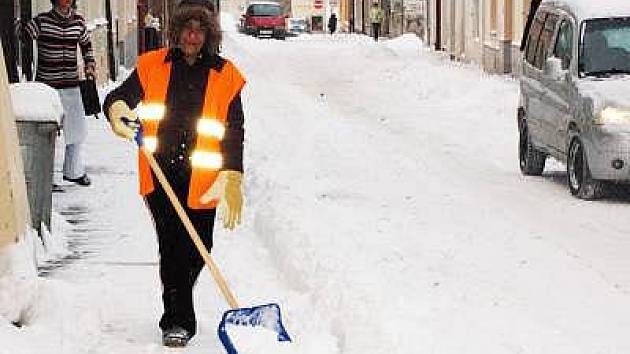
546	118
549	114
561	91
531	86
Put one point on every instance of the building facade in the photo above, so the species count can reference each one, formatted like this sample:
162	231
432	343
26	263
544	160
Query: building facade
487	32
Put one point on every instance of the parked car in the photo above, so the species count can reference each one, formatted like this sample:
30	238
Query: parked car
296	26
574	94
264	19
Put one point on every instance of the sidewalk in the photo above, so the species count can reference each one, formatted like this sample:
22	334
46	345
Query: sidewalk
110	300
105	296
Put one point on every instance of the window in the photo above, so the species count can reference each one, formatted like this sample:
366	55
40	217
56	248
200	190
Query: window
545	41
265	10
605	46
534	34
564	44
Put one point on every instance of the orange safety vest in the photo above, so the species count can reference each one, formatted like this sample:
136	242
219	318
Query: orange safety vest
206	159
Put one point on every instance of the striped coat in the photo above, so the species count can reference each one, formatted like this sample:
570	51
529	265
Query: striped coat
57	36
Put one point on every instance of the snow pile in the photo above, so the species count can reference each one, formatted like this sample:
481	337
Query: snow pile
24	95
19	283
55	324
259	340
407	45
54	243
18	280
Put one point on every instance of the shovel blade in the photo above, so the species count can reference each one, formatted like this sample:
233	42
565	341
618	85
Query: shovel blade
267	316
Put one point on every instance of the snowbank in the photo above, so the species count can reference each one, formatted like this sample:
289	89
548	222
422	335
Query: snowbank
54	243
48	106
18	280
407	45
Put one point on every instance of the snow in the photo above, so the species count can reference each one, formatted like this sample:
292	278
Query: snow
385	212
611	92
21	291
258	340
54	243
34	101
18	281
585	9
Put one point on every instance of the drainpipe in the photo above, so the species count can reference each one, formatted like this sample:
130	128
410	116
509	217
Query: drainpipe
453	29
111	61
508	13
363	16
402	17
351	17
438	24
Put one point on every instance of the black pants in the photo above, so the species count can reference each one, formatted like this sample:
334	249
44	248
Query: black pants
376	29
180	262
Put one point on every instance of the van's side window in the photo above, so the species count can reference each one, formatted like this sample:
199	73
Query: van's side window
564	44
534	34
545	41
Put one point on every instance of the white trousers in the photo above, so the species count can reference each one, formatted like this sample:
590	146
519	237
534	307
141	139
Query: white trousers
73	166
74	131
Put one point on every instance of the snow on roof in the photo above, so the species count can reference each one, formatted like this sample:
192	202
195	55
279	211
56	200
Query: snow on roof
585	9
35	101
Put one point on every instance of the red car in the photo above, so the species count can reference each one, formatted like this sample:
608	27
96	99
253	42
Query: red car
264	19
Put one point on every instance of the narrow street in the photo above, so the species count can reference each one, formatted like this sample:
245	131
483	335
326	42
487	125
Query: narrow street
385	213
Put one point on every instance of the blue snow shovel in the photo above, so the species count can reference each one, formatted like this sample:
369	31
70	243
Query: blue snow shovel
266	316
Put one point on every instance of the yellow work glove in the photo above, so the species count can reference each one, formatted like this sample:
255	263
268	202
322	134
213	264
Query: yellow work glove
117	111
227	189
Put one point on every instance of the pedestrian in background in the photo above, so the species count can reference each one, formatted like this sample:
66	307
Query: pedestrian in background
376	18
332	23
151	32
57	34
190	107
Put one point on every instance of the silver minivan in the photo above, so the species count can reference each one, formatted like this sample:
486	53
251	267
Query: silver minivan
575	93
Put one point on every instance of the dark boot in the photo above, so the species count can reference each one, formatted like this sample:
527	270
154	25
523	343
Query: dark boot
82	181
175	336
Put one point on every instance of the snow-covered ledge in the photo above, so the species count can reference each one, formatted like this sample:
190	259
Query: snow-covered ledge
35	101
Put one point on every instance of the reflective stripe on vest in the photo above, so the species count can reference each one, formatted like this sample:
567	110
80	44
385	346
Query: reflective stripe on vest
206	158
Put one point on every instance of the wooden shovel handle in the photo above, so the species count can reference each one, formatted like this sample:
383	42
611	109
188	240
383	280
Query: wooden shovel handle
192	232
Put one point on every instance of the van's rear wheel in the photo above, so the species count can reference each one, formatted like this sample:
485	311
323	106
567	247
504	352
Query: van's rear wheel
531	161
581	183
